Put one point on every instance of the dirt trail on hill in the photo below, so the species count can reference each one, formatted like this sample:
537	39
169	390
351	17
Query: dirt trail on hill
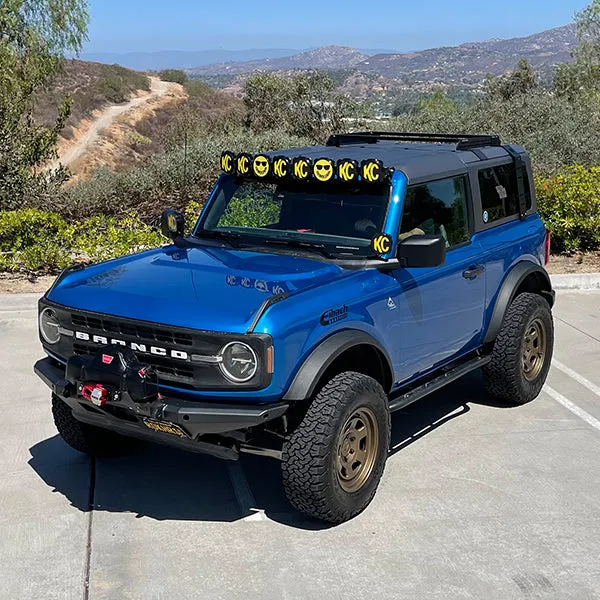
106	118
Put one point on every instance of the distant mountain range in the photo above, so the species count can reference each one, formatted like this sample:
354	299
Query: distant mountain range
326	57
173	59
466	64
155	61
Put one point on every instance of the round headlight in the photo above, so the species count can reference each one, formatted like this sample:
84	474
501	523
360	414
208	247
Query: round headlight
238	362
49	326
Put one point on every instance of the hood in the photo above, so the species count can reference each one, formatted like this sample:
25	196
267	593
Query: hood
208	288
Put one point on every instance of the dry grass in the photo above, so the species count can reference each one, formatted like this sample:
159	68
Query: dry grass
91	87
122	145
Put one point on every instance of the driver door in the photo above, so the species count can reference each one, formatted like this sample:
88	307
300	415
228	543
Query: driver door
438	311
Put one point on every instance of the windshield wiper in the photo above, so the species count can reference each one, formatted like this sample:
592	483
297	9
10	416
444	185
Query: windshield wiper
228	236
300	244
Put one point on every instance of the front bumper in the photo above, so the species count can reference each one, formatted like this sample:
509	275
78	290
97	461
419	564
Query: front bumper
196	419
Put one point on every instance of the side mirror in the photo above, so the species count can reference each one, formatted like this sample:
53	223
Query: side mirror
172	224
421	251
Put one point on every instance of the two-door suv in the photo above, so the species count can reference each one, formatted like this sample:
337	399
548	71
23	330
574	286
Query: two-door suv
320	290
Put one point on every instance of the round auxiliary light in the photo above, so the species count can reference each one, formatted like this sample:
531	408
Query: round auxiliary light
239	362
49	325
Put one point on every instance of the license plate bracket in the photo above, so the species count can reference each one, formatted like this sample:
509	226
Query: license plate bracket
165	427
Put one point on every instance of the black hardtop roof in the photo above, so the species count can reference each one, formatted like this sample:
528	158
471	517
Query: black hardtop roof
419	161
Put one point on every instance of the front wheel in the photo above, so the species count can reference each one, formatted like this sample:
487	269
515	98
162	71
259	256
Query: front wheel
333	461
85	438
522	351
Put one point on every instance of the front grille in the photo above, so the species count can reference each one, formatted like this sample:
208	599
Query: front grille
169	349
166	372
132	330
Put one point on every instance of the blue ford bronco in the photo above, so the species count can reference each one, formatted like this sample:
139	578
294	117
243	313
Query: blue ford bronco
320	290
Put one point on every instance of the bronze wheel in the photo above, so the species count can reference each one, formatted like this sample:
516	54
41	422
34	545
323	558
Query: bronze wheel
357	448
333	461
522	352
534	349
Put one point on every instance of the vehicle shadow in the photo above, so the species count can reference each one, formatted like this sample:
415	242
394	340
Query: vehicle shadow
163	483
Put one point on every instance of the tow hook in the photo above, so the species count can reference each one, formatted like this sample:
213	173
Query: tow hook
96	393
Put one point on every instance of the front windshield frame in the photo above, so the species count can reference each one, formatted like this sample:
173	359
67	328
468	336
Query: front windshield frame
337	245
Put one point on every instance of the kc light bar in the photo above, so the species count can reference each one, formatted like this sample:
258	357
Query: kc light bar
301	168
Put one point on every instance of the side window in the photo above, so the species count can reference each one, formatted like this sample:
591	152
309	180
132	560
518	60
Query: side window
499	196
439	207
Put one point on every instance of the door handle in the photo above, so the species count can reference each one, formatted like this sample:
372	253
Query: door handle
473	272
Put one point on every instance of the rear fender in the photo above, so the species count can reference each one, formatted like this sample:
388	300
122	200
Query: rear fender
524	276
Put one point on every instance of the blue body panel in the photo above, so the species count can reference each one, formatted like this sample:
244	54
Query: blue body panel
423	317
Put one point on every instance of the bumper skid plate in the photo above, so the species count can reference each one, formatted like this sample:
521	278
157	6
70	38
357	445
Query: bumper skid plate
174	421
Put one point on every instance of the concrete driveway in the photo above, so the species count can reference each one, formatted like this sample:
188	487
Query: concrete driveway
476	502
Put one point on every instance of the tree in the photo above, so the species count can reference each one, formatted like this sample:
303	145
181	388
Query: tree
436	103
34	35
521	81
267	99
588	31
306	105
582	77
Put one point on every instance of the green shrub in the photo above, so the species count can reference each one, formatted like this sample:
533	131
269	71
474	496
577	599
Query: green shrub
165	180
31	239
569	203
253	207
101	238
37	241
554	131
173	75
116	83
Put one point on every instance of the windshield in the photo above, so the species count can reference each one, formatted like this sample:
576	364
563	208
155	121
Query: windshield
343	220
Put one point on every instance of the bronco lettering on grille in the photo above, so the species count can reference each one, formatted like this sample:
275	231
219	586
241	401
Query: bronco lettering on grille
135	346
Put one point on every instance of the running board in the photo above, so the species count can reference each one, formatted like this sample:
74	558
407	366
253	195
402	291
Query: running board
402	401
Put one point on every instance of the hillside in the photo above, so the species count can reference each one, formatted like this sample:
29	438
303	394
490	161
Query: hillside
466	64
471	63
173	59
327	57
91	86
121	117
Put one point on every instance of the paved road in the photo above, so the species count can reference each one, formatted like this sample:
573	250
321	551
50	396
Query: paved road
476	502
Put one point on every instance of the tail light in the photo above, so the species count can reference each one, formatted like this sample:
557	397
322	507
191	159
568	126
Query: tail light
547	247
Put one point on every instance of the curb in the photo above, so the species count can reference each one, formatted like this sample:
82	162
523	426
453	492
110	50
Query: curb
576	281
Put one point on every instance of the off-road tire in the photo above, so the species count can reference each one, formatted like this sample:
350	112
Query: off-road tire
504	376
85	438
309	459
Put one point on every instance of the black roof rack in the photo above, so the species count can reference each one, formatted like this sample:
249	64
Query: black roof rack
463	142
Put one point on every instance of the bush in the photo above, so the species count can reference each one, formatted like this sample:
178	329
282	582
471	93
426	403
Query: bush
30	239
165	180
554	131
173	75
305	105
569	203
116	84
37	241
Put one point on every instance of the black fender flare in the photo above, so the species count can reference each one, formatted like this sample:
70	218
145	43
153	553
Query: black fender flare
508	291
308	375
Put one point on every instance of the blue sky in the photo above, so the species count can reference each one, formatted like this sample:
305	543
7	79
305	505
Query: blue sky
150	25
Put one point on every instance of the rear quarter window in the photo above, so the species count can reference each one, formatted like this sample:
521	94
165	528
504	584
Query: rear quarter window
499	196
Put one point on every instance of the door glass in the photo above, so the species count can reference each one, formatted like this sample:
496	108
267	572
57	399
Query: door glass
439	207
